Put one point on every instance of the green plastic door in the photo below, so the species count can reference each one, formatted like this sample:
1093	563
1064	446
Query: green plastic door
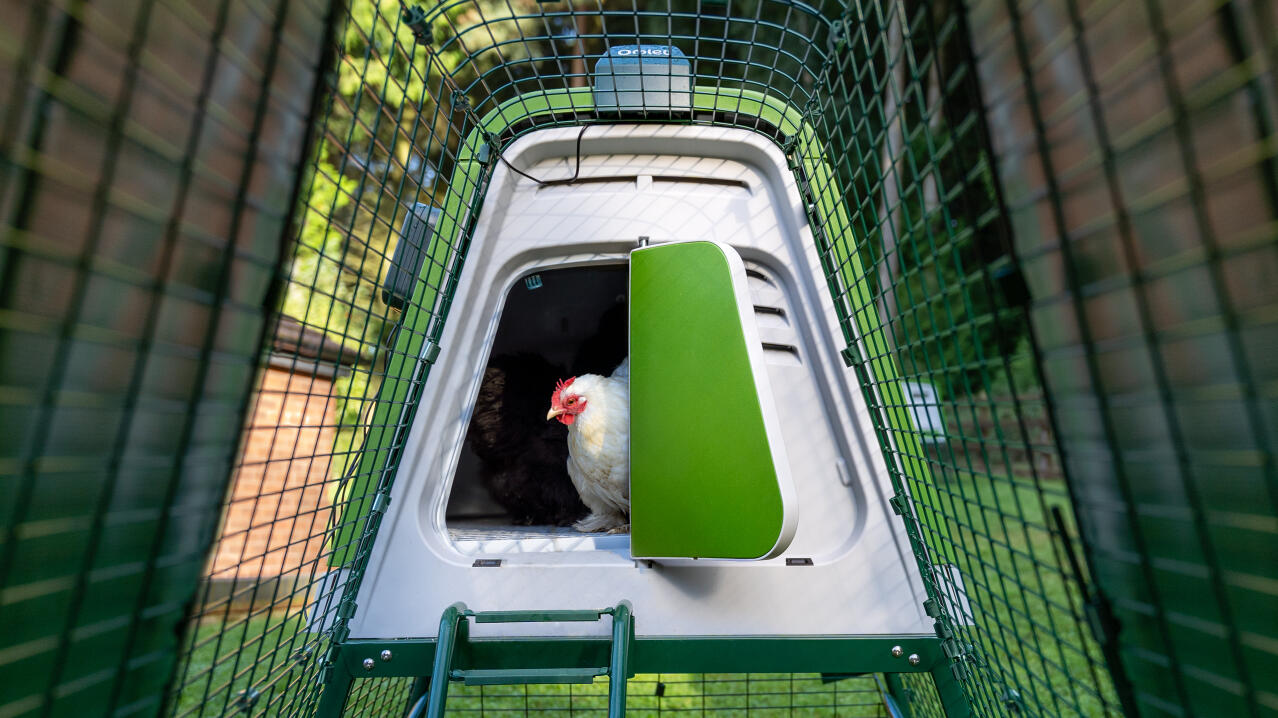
708	473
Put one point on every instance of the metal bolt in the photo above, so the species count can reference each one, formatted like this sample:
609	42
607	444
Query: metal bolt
914	659
368	664
386	655
897	652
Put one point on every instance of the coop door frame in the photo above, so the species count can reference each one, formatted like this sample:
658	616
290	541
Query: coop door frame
677	512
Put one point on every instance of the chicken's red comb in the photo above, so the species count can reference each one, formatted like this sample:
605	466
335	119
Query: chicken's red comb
559	388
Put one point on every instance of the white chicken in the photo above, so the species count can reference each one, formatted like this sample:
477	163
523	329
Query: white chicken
596	410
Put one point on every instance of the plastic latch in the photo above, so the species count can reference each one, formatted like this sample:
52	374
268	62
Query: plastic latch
430	352
330	659
932	608
898	504
788	147
951	648
838	37
415	19
850	355
346	610
380	503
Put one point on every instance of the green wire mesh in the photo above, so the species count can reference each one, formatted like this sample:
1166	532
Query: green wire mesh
1061	216
149	155
767	695
892	93
1136	142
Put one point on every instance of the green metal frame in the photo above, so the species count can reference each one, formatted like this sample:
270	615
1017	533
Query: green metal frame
852	654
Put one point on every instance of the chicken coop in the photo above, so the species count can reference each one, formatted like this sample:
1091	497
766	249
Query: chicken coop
949	332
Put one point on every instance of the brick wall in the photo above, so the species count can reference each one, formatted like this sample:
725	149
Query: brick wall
280	506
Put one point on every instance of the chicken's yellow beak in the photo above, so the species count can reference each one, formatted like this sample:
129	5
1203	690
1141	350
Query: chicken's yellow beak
553	413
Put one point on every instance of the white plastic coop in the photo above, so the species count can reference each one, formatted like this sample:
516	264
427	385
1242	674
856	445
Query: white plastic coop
848	569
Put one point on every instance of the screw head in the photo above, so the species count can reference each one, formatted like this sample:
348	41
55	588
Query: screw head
386	655
897	652
368	664
914	659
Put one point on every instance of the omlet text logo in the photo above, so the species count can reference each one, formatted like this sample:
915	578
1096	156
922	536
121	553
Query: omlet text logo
643	50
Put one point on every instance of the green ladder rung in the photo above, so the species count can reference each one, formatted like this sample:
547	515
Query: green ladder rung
538	616
516	676
454	629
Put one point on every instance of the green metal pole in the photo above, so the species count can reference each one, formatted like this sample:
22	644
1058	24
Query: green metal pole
953	699
444	645
618	664
336	688
896	689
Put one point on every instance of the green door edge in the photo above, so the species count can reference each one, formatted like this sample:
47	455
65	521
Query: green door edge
418	336
709	484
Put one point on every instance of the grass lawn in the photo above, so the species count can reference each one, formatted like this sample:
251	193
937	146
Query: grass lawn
758	694
1022	610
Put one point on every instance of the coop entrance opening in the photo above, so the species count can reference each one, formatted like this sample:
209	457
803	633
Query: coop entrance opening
511	490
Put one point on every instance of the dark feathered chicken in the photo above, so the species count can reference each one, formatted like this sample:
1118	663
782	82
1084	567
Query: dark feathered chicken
523	456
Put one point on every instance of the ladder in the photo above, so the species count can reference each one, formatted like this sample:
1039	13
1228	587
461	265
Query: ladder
454	628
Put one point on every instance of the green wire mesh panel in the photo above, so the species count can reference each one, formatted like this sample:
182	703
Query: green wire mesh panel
1136	146
379	697
935	309
918	252
149	161
1049	227
767	695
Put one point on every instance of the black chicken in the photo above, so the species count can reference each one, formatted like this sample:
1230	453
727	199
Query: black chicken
523	456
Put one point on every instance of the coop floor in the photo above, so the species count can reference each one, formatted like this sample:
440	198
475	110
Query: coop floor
497	536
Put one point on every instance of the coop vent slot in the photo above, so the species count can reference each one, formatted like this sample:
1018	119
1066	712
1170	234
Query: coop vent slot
717	181
605	179
631	179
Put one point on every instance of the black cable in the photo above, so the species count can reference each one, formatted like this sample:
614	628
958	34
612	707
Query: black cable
415	19
542	183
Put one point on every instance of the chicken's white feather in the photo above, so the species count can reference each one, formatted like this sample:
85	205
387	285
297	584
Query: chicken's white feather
622	372
599	449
